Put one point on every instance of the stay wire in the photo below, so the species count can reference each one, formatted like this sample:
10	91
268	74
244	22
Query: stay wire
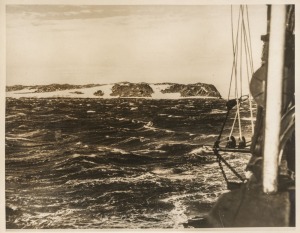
241	53
221	159
237	44
222	170
232	34
250	98
234	51
232	127
249	31
249	63
243	38
236	75
235	63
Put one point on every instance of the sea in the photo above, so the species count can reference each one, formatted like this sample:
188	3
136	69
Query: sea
128	163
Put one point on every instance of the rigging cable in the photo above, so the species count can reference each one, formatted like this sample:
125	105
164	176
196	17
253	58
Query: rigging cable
242	39
249	49
234	53
251	58
238	41
235	65
241	75
242	33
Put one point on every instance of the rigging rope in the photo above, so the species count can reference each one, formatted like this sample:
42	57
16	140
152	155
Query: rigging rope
234	55
248	52
242	53
232	127
251	58
221	159
241	40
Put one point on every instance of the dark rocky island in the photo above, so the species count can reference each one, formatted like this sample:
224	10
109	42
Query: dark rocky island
99	93
127	89
197	89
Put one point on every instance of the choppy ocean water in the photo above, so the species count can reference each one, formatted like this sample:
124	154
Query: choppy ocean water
113	163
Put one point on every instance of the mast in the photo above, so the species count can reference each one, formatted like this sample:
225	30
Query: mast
274	98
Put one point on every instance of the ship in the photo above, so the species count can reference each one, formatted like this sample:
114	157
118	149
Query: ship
266	196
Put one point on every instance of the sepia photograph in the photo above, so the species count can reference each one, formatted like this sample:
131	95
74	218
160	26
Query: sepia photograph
149	116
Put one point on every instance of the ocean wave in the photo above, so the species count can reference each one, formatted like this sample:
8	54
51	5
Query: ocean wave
66	168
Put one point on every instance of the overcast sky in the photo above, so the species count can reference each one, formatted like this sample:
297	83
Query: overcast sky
105	44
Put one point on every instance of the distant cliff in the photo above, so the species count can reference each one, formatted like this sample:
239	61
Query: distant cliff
116	90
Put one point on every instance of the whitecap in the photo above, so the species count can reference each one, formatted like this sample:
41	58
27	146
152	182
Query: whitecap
113	150
147	151
217	111
150	123
201	150
83	155
161	171
173	116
